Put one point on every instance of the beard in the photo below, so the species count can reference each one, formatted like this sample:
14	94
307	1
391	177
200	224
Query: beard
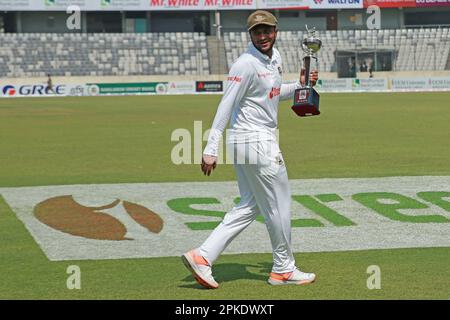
265	51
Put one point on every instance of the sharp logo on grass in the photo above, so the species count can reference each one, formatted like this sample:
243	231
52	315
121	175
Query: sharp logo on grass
166	219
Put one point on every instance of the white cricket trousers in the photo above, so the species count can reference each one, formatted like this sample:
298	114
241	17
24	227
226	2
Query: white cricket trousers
264	189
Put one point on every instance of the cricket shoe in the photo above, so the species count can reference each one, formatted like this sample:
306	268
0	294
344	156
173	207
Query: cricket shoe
294	277
200	268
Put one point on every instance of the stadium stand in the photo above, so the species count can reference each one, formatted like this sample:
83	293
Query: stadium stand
414	49
186	53
36	54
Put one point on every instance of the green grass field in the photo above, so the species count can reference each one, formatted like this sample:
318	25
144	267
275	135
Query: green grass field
63	141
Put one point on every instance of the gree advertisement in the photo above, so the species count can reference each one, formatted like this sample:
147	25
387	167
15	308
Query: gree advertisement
90	89
95	89
41	90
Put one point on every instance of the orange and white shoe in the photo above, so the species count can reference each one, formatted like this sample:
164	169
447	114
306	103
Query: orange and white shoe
294	277
200	268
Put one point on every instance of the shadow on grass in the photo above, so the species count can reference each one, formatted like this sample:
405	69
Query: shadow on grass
226	272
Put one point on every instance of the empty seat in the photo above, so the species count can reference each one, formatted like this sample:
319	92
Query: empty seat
99	54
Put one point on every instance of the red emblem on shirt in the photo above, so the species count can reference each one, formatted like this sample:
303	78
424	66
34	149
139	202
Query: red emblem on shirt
274	92
234	78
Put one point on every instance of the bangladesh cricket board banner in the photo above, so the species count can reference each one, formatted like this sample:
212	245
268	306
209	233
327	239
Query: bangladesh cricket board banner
127	88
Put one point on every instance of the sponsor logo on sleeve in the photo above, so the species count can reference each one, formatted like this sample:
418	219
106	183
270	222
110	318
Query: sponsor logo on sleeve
274	92
235	79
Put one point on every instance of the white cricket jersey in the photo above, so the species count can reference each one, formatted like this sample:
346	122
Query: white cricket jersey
252	92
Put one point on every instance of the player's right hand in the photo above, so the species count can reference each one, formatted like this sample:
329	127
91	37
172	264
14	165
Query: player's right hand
208	164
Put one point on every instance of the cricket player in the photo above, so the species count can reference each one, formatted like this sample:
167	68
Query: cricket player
253	90
49	85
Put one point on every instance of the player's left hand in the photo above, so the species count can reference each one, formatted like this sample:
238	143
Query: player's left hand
313	77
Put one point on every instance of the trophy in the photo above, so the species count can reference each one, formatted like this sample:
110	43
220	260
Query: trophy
306	99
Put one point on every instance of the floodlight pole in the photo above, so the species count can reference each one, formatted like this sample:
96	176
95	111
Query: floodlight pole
432	44
218	25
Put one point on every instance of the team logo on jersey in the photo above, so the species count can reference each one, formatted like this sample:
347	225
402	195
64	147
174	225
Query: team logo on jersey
274	92
280	71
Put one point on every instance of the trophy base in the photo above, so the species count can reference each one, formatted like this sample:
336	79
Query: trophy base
306	102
